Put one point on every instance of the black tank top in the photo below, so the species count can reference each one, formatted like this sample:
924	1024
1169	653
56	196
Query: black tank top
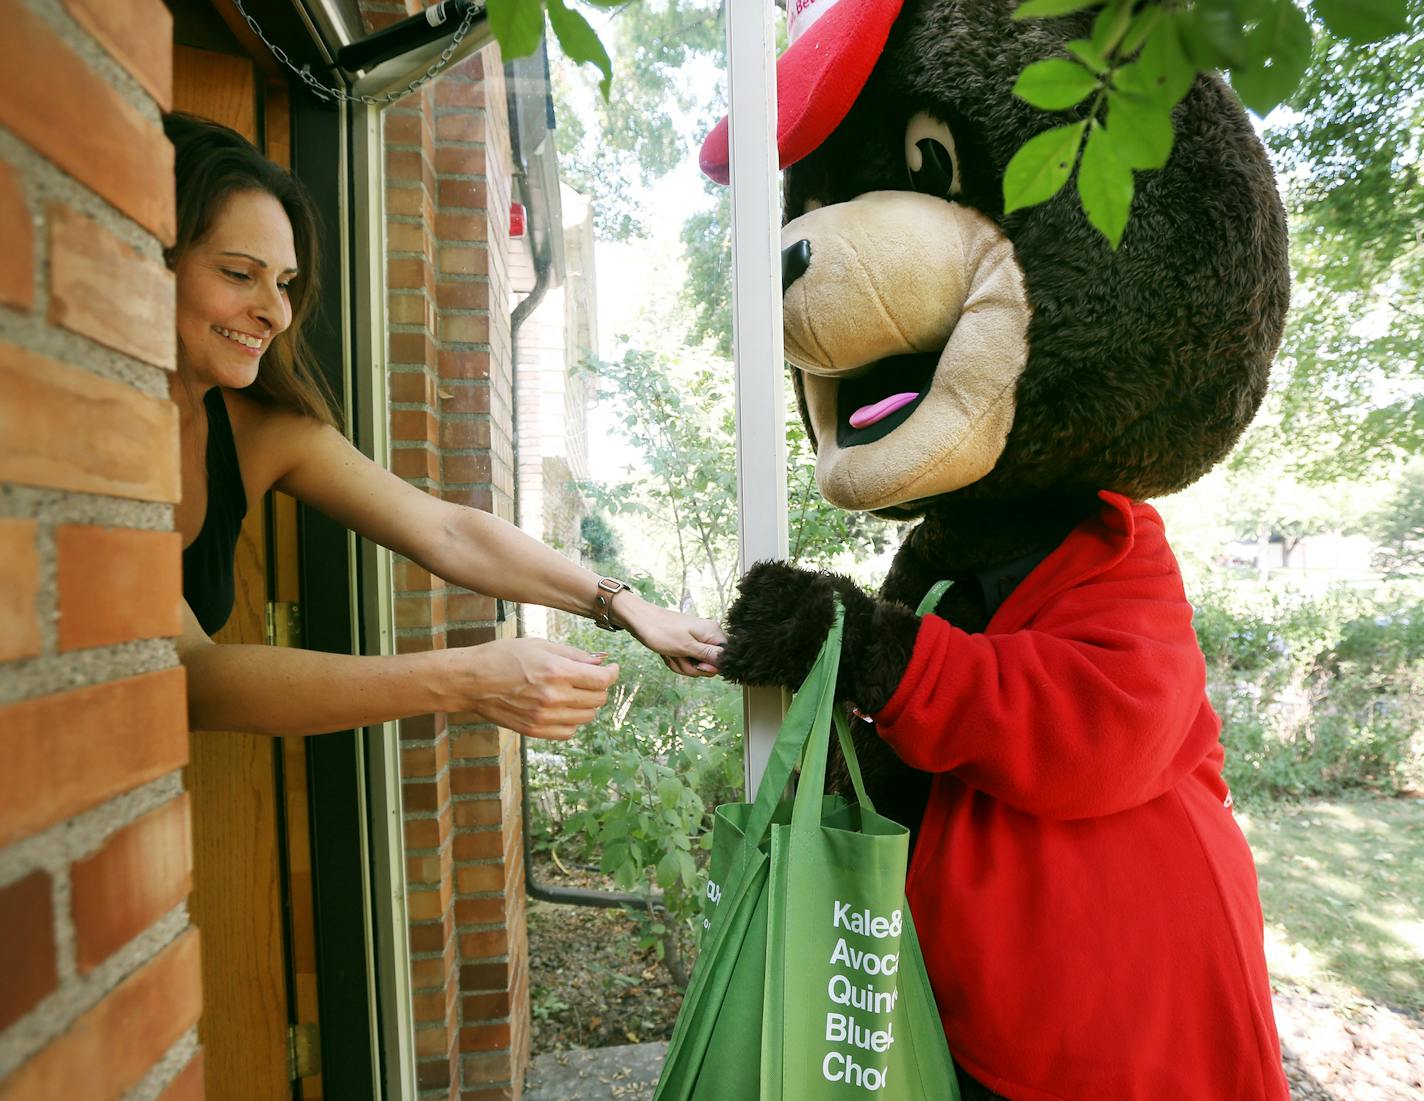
208	562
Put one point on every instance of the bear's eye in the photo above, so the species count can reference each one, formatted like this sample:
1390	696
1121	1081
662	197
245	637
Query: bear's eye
931	157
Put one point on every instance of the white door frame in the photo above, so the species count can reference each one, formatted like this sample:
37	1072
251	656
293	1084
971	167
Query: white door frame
756	323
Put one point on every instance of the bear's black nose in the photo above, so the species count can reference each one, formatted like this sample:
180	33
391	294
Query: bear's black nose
795	259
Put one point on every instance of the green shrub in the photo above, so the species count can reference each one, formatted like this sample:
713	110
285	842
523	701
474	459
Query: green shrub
633	793
1317	697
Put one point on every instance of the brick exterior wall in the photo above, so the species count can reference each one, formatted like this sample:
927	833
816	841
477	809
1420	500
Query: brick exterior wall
99	976
448	179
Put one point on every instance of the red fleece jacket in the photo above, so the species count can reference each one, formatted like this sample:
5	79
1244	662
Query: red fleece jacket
1085	900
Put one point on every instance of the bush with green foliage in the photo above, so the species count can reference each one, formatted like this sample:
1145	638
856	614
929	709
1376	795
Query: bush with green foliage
633	794
1316	697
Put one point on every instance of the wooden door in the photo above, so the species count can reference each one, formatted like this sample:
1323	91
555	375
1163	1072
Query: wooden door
252	870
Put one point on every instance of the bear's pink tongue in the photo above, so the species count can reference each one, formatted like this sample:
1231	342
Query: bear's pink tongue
867	415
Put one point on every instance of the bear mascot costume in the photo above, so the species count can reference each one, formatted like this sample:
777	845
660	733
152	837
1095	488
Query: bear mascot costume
1086	903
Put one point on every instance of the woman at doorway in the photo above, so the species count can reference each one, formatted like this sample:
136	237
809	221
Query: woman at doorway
253	417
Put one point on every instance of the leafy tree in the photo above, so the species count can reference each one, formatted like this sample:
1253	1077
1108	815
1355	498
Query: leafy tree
677	411
1348	399
1140	59
642	133
601	546
1398	527
707	288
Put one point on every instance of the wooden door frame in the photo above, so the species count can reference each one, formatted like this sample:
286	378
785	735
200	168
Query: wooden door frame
362	973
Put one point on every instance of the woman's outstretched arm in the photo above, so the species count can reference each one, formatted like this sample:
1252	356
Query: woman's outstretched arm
530	686
467	546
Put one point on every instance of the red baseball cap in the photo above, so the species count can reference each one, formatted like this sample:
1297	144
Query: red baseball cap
834	46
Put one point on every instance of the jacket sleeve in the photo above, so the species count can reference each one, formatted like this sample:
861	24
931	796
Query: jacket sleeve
1097	705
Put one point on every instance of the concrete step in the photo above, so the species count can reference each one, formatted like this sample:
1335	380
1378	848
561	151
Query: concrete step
626	1073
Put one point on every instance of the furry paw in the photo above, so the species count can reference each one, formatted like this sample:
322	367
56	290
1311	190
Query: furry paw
777	625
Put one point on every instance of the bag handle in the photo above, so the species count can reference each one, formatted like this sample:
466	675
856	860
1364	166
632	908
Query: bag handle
814	699
932	598
927	605
806	809
805	735
852	762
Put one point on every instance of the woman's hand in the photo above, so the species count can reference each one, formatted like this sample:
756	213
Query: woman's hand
688	645
536	688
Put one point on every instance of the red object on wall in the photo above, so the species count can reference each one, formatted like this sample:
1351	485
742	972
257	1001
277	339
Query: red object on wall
516	220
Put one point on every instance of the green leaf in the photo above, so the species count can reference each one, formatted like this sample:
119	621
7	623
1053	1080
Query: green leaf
1105	185
580	42
1110	25
1043	9
1141	129
1162	70
518	25
668	870
1084	50
688	869
1143	24
1211	33
1277	50
600	772
1042	166
1054	84
669	791
1363	20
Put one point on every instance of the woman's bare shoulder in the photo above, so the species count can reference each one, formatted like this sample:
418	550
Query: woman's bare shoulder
269	439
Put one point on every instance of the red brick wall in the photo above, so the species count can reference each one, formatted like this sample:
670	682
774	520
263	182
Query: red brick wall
447	197
99	978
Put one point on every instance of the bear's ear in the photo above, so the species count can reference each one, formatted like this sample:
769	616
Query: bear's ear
834	46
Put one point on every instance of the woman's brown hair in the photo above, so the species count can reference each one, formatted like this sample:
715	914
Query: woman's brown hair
212	163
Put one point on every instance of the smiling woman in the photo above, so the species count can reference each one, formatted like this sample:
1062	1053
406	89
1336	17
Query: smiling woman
253	418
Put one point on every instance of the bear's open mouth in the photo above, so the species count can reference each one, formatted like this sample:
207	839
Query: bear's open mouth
872	405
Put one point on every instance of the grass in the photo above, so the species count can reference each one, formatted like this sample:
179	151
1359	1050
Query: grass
1342	888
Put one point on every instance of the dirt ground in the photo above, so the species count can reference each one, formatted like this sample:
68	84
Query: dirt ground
594	987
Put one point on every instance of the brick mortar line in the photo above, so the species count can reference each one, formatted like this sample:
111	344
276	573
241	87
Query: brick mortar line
61	507
168	1067
36	336
45	181
96	55
47	596
56	847
31	678
56	1013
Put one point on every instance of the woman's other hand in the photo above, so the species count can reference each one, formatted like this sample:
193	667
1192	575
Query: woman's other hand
688	645
536	688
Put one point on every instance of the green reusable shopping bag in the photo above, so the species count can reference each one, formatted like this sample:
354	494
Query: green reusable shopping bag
809	984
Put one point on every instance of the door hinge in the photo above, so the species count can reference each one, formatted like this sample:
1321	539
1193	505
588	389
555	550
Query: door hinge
284	623
303	1050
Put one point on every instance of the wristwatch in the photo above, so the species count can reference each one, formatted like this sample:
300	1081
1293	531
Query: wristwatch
608	588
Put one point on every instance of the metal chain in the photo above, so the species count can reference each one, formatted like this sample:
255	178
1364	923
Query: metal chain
327	91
